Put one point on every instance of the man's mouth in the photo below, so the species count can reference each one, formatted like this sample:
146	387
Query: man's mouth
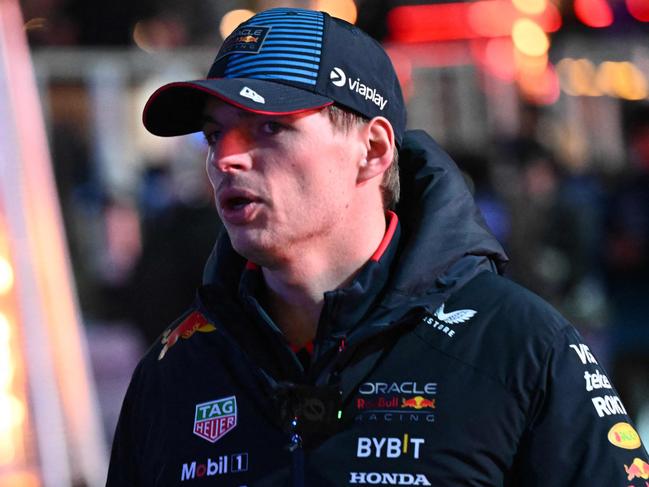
238	206
237	203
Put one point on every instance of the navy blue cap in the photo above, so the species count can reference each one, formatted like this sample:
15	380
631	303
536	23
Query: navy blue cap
284	61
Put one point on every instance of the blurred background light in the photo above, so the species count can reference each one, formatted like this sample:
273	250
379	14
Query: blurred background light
426	23
156	34
12	410
639	9
232	19
403	66
549	19
531	64
36	23
497	58
575	78
604	77
141	37
5	329
529	38
50	433
530	7
540	88
594	13
622	79
344	9
564	71
491	18
582	78
462	20
12	414
6	276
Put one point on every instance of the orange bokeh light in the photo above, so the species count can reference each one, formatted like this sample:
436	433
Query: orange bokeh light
232	19
343	9
541	88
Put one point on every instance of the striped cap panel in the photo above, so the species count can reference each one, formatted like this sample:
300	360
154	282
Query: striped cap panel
291	49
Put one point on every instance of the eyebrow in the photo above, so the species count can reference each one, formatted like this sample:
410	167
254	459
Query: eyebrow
206	118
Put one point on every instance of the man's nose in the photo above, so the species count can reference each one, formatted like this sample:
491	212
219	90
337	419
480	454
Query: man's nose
232	153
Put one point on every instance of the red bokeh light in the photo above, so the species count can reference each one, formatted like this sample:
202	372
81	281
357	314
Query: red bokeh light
638	9
496	56
430	23
464	20
594	13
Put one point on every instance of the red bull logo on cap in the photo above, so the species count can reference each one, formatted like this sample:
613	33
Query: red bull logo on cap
639	469
248	39
214	419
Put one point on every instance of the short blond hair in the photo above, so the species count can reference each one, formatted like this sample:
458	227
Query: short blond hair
344	119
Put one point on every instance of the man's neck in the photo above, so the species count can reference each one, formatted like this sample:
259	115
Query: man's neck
295	290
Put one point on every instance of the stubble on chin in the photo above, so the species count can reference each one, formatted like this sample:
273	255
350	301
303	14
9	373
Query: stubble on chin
262	251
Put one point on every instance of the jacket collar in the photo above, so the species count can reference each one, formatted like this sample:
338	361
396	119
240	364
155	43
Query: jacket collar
441	223
343	308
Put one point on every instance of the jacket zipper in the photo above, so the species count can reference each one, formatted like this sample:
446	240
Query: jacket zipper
297	456
295	446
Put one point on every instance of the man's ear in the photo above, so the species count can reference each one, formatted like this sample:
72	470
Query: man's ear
379	145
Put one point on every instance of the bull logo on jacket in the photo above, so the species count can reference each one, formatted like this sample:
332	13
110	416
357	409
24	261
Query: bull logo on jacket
190	325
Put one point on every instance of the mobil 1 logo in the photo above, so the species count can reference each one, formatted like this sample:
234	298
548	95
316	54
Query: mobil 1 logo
212	468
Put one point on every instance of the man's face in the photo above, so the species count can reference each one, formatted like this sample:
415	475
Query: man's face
283	184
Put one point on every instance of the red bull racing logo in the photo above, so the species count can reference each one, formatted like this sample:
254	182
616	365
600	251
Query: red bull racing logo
214	419
190	325
406	401
639	469
383	403
417	402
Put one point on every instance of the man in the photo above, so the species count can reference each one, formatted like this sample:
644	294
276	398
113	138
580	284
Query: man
334	342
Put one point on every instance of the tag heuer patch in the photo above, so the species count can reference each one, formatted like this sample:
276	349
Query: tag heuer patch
214	419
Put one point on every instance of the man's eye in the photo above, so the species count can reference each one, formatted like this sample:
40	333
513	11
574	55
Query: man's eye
211	138
271	127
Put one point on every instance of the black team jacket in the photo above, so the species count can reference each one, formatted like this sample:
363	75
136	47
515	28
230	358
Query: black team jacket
429	369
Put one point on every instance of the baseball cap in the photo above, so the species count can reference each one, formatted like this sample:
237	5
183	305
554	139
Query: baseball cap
286	61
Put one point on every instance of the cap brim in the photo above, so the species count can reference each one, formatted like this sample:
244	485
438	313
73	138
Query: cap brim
177	108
